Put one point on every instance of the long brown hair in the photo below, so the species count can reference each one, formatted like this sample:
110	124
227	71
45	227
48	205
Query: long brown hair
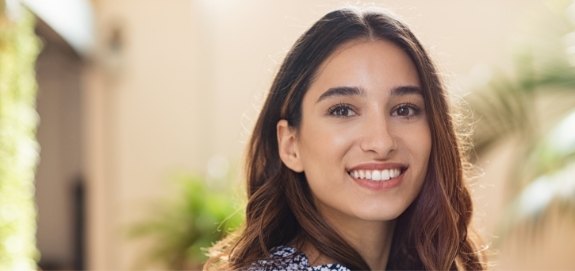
431	234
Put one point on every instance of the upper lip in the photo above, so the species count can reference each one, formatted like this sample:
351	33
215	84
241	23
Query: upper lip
378	166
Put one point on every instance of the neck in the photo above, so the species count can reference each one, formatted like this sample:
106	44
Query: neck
371	239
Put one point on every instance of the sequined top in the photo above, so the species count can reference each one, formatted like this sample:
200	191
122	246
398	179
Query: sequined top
289	259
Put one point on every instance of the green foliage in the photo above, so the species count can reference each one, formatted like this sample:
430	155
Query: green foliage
183	227
531	107
19	48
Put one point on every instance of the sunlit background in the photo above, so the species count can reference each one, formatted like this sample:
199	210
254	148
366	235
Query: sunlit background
145	108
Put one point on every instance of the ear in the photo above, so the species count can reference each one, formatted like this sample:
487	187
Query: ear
287	146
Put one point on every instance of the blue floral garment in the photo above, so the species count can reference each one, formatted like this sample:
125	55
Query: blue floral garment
289	259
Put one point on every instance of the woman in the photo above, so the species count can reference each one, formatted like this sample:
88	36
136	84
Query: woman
354	162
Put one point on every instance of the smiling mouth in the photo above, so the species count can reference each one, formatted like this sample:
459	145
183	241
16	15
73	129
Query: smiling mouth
376	175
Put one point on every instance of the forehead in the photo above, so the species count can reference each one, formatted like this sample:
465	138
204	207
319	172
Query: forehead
370	64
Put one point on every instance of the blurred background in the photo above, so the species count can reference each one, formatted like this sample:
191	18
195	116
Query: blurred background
144	109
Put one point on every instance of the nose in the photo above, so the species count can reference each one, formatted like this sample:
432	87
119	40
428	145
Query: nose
378	138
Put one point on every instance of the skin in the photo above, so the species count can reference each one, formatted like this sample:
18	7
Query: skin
377	121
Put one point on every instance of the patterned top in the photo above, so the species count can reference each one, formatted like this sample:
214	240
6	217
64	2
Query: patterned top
289	259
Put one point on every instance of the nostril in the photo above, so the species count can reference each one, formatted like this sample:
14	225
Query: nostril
382	147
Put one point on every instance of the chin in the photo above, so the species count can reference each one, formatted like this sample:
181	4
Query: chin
383	215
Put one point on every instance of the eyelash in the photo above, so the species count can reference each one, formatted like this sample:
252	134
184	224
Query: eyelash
337	109
414	110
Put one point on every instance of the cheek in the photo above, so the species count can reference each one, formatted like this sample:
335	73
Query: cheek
417	140
422	159
329	141
422	139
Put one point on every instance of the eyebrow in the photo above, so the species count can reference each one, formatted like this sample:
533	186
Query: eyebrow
341	91
406	90
357	91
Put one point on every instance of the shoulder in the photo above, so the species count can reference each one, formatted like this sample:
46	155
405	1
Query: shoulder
281	258
288	258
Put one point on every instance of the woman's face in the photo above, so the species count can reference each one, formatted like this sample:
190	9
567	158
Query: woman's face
364	140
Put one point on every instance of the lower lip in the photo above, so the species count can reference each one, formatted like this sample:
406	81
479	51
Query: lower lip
379	185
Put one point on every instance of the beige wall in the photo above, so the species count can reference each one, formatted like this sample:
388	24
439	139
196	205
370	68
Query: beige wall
59	171
188	82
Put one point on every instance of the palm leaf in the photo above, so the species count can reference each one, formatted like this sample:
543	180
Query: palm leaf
509	109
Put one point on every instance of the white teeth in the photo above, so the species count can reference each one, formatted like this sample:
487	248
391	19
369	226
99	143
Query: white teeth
385	174
375	175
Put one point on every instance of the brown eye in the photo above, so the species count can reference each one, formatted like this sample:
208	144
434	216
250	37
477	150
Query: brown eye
341	111
406	110
403	111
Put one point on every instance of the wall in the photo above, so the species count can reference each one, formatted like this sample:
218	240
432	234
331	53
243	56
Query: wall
60	169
